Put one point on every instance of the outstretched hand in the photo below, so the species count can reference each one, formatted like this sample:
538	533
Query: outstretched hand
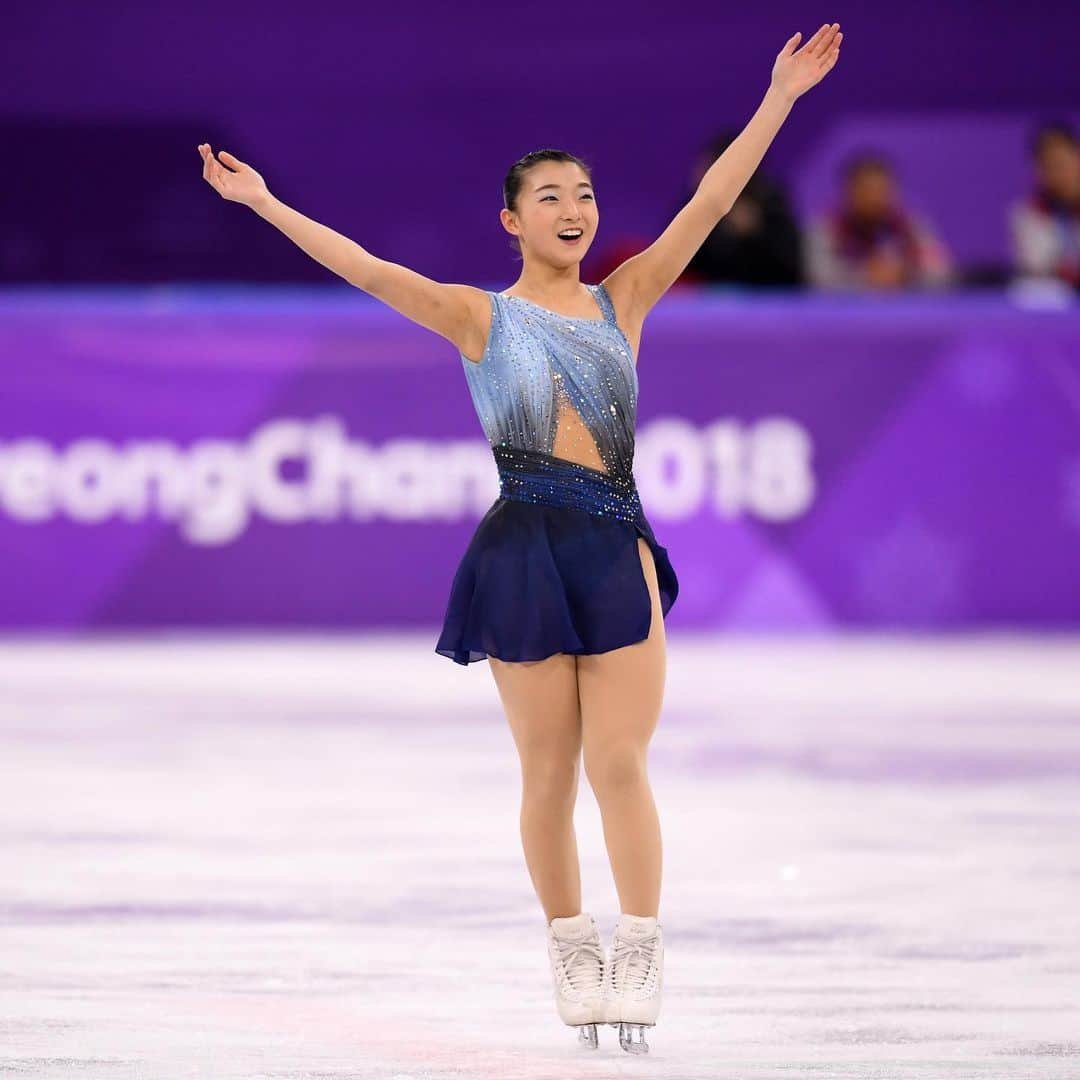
795	72
237	183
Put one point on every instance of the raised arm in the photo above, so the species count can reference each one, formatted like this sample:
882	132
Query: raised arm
459	313
637	284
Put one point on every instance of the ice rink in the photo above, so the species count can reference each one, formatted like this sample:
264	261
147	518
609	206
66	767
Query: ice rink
298	857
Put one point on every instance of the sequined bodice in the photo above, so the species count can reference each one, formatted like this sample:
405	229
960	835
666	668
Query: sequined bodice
559	385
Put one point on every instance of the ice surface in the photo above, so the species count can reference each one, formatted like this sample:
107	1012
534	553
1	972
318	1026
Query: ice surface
299	857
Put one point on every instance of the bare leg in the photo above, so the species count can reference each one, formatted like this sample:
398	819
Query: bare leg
540	699
621	692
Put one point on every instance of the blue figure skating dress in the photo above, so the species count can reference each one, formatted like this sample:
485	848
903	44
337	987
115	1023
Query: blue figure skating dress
553	565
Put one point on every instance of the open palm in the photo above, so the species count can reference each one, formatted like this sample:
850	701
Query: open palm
237	183
795	72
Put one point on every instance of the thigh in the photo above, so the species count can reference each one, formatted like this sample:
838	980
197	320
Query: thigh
621	691
540	699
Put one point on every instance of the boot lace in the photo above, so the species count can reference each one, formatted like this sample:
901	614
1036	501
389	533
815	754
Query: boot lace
582	961
631	962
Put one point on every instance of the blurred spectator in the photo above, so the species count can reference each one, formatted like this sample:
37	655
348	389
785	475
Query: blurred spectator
757	242
1046	225
870	241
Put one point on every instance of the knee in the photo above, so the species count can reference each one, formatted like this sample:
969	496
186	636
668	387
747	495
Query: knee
551	780
611	769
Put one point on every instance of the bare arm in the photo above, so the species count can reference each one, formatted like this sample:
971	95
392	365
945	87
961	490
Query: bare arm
455	312
642	280
459	313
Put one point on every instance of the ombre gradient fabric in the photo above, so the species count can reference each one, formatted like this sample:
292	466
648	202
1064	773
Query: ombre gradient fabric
554	565
535	357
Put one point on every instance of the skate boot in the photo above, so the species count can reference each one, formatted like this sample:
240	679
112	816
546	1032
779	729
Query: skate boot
633	979
577	966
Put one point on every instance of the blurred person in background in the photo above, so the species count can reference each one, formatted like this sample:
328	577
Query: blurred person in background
870	241
1045	226
758	242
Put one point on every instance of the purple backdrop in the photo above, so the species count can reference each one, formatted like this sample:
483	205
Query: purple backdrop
396	124
308	457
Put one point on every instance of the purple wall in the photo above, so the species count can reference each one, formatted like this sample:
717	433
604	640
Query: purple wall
942	486
276	458
396	125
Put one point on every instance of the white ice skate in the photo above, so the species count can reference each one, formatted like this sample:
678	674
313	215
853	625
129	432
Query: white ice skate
577	969
633	979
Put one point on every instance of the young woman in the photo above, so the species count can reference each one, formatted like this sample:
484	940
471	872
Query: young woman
563	587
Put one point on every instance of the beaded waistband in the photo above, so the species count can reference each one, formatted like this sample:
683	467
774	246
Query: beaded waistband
533	476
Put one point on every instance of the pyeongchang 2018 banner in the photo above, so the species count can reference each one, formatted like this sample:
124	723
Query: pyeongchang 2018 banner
226	457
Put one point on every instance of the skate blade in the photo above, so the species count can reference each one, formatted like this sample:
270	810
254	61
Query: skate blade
587	1035
626	1037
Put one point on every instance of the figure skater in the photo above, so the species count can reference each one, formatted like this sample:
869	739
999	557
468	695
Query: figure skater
563	587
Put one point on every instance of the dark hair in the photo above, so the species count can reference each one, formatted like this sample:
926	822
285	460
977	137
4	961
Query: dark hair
1059	129
865	161
514	178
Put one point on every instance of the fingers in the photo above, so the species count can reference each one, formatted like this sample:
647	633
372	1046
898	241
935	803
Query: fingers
830	57
211	169
819	44
813	42
821	49
828	62
207	162
791	44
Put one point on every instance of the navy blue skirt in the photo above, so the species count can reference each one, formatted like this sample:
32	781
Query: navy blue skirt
554	566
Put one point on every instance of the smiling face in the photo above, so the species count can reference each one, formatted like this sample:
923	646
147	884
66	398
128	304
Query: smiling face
555	196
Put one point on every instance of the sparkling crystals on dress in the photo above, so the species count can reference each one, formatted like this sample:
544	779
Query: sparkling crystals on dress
531	476
557	399
539	392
